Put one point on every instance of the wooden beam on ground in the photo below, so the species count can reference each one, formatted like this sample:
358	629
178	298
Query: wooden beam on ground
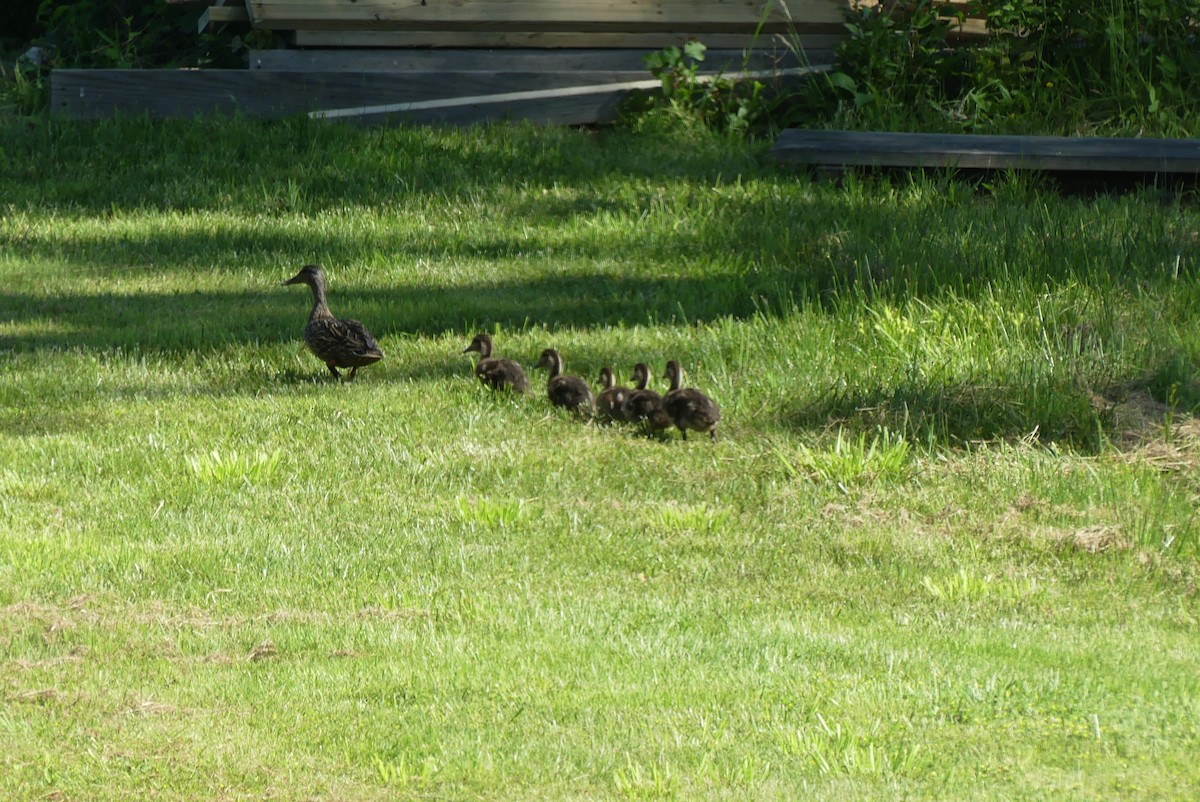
514	60
970	151
99	94
554	39
501	105
565	15
221	15
419	97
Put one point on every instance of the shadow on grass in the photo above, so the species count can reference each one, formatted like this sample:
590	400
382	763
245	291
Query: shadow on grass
1083	415
179	322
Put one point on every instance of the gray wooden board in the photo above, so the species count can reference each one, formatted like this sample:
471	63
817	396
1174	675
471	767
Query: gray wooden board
543	39
97	94
517	59
971	151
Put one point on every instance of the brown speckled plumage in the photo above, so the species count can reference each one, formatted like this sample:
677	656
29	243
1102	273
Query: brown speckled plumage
498	374
610	403
645	406
337	343
689	408
570	392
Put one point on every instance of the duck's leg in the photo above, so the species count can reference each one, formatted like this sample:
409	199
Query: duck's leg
713	434
353	373
684	433
333	369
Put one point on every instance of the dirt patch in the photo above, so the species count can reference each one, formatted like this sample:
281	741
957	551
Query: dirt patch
1095	539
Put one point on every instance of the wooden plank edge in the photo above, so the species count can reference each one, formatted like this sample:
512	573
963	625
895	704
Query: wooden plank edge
221	15
553	40
535	94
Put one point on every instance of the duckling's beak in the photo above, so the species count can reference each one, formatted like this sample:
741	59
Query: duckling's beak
468	349
292	280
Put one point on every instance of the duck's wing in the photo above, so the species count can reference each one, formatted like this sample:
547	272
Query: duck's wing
355	338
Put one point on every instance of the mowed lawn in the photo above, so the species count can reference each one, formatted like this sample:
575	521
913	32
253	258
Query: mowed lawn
945	546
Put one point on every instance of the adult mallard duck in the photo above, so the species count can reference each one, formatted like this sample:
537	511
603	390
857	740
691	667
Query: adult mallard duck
689	408
610	403
498	374
642	405
337	343
571	392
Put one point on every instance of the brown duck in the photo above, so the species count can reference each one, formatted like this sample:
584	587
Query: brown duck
570	392
610	403
337	343
496	373
642	405
689	408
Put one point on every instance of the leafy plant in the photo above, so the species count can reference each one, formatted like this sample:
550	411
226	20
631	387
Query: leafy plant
737	105
25	89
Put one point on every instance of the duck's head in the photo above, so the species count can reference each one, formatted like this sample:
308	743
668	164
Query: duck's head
481	344
641	375
312	275
606	378
550	360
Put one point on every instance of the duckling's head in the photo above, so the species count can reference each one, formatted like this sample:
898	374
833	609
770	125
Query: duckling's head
312	275
674	374
482	343
606	378
641	375
550	360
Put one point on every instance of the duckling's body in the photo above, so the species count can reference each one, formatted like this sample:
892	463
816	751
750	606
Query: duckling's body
642	405
610	403
496	373
337	343
570	392
689	408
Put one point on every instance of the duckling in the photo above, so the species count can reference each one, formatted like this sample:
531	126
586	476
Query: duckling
610	404
337	343
642	405
571	392
689	408
498	374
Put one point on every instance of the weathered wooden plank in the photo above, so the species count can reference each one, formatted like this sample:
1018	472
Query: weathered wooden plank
575	15
221	15
1088	154
522	59
506	100
97	94
552	39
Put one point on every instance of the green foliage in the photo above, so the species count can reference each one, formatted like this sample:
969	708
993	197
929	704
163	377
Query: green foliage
737	106
25	89
131	34
1045	67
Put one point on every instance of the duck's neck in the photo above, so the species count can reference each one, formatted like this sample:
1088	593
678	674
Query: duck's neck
555	367
485	349
642	378
606	380
320	308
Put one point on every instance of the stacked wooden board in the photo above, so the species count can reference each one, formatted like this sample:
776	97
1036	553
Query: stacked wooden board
840	149
551	61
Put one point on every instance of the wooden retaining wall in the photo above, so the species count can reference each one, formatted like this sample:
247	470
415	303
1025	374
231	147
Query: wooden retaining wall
560	61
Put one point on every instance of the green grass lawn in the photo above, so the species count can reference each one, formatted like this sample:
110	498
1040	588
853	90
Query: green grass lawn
946	546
